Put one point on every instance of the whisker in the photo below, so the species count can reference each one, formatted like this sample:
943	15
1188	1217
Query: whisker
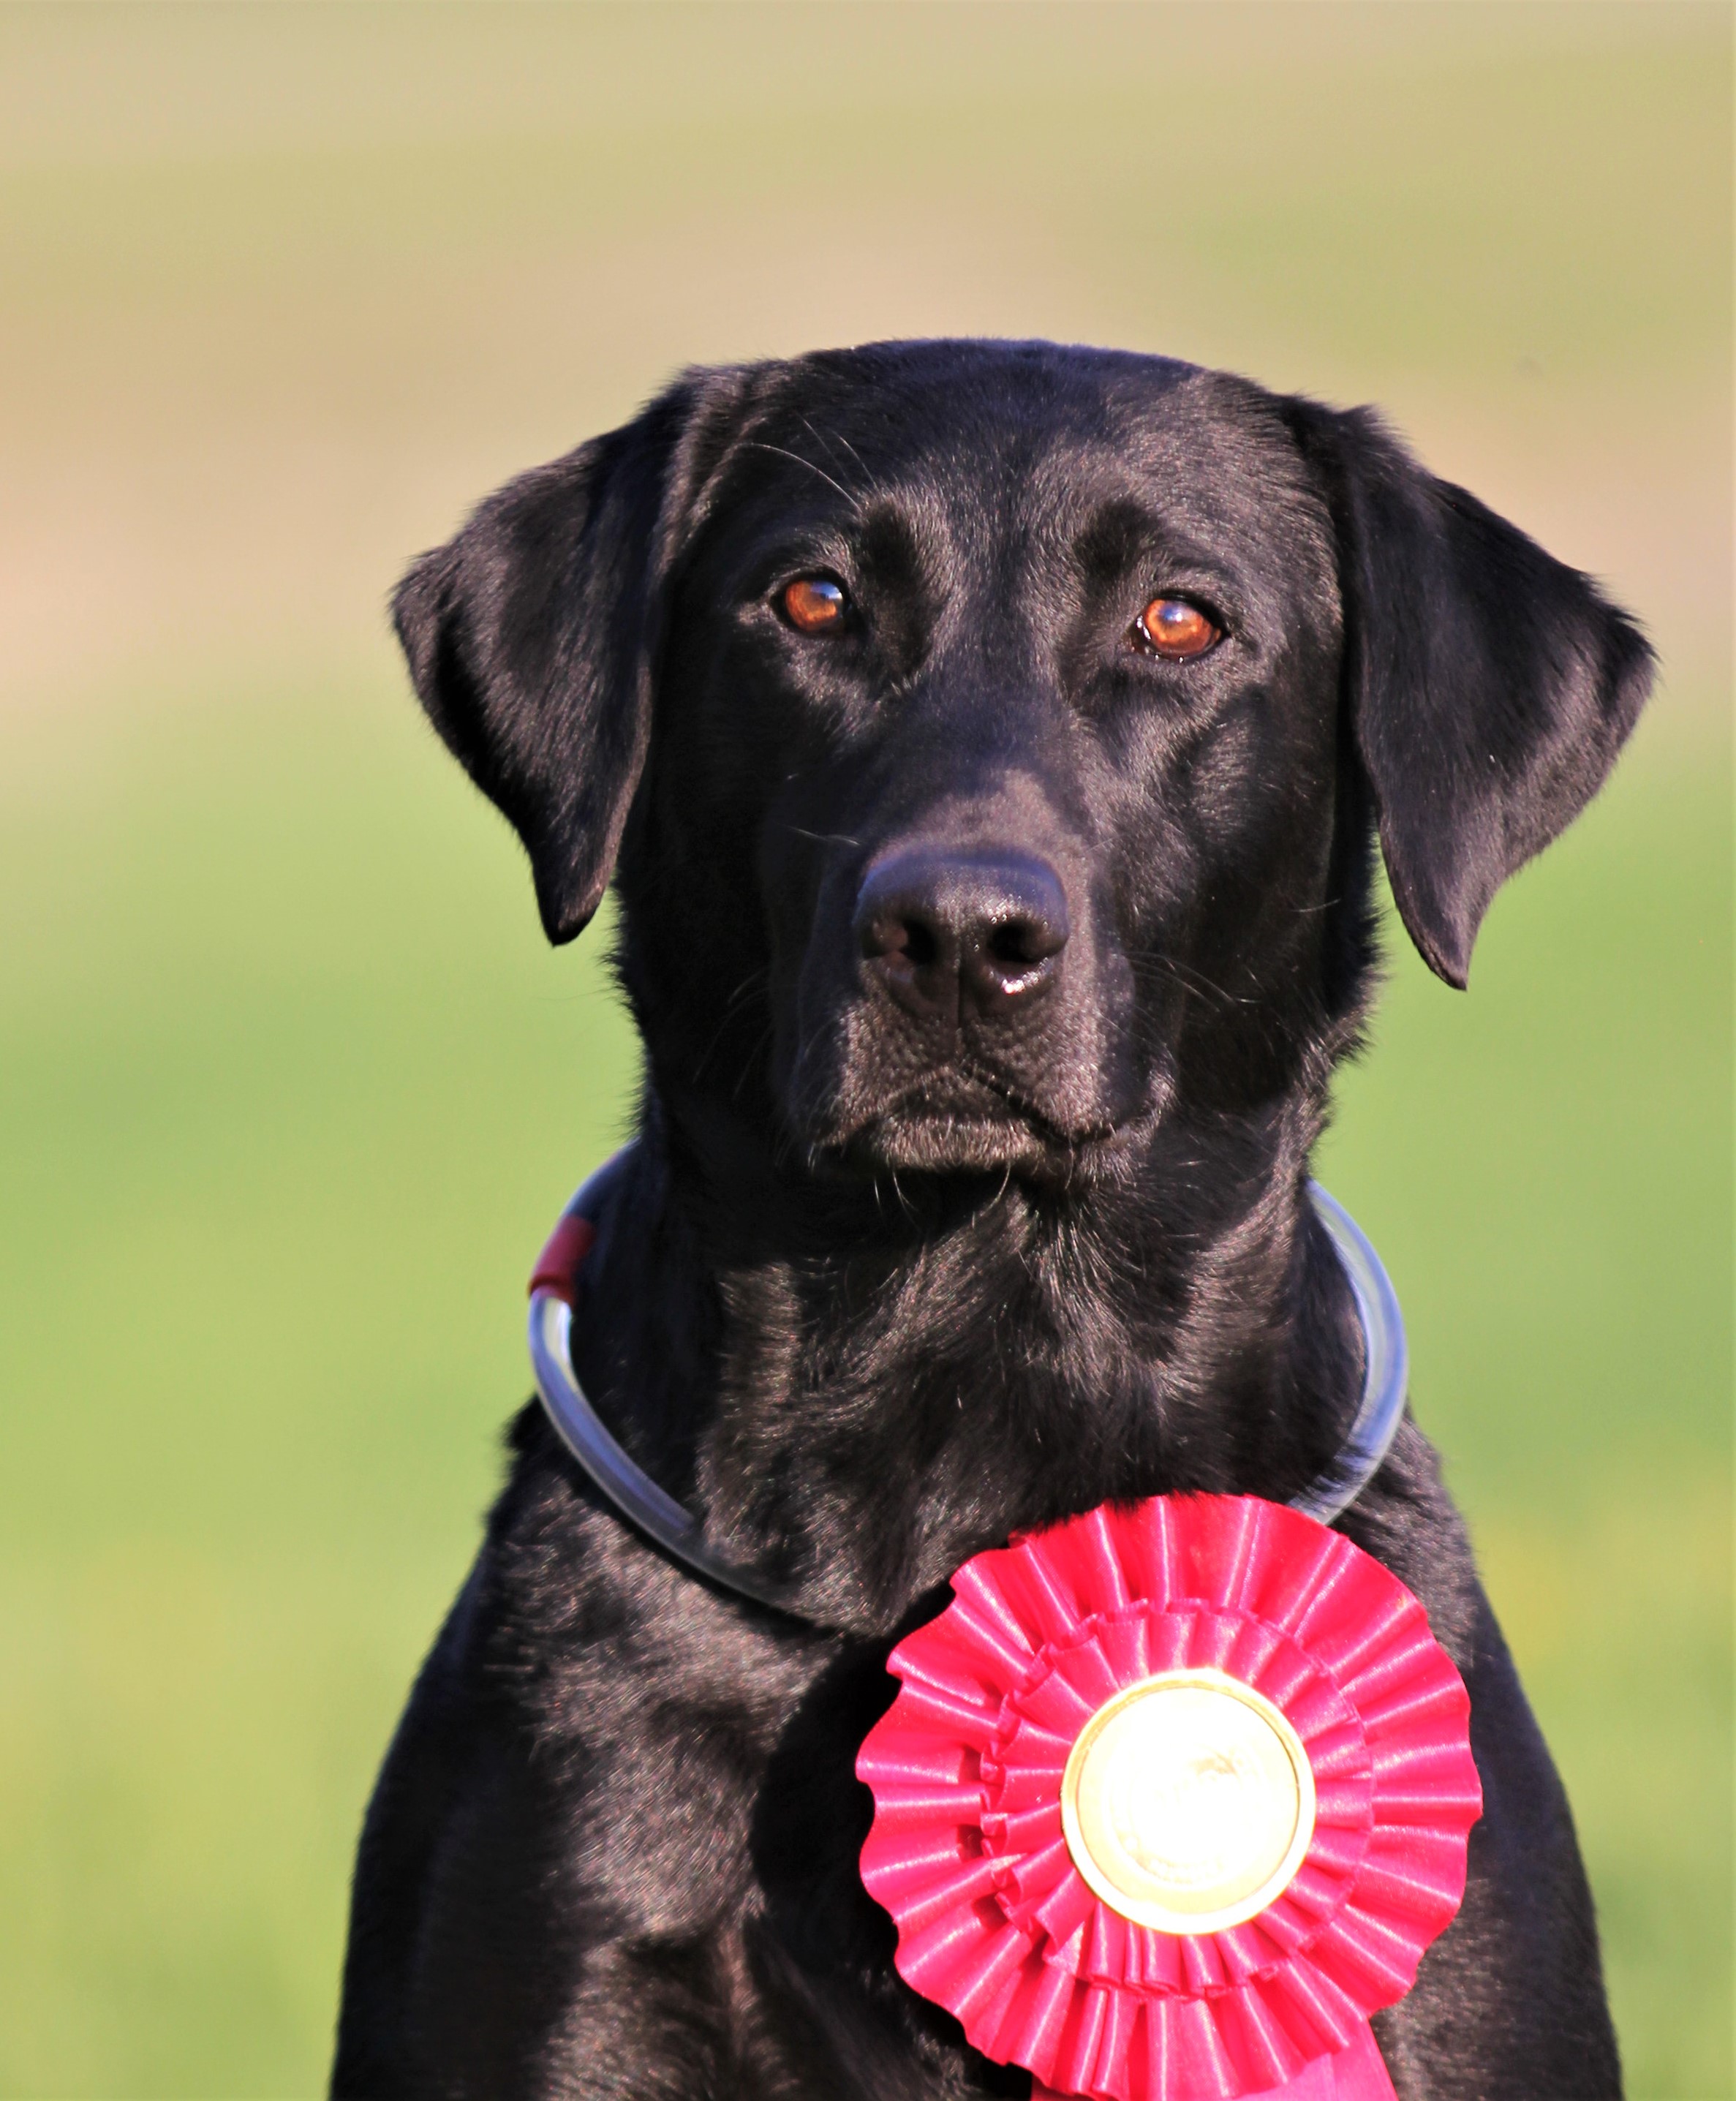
760	445
848	448
824	838
1189	979
753	979
819	438
750	1061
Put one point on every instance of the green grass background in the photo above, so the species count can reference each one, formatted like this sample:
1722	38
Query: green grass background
289	1088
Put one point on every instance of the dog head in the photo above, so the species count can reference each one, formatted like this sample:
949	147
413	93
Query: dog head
988	741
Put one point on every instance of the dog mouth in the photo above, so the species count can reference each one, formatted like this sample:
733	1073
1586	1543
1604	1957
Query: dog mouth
966	1120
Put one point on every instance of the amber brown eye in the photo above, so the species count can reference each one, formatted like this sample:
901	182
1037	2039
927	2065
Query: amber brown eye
1171	627
814	605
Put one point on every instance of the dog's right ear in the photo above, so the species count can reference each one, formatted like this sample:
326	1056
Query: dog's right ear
532	635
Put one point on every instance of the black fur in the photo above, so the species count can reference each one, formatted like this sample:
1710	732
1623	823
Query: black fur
892	1277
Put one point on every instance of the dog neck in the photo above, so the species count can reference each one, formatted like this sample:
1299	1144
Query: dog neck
860	1385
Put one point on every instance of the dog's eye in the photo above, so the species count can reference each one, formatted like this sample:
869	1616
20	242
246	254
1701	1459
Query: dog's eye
814	605
1171	627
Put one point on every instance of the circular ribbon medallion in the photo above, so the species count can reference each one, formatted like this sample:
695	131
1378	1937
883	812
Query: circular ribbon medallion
1188	1802
1172	1799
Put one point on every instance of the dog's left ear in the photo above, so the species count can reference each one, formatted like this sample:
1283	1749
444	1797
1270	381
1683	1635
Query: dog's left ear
531	637
1490	686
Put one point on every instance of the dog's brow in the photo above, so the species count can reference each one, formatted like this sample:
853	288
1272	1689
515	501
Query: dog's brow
760	445
820	438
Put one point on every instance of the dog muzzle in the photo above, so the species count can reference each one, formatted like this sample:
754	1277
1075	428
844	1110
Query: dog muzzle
1173	1796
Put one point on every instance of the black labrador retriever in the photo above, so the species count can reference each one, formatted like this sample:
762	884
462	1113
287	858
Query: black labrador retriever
988	744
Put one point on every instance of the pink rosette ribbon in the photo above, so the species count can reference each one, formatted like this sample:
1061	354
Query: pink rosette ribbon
1312	1653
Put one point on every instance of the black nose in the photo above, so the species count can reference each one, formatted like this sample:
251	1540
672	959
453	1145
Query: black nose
947	931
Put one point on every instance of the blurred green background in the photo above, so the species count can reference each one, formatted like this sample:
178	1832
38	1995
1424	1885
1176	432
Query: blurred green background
289	1088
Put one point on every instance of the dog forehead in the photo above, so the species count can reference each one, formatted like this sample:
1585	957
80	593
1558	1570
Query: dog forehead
971	442
914	391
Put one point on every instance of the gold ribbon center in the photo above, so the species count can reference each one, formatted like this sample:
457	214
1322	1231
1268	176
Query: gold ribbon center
1188	1802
